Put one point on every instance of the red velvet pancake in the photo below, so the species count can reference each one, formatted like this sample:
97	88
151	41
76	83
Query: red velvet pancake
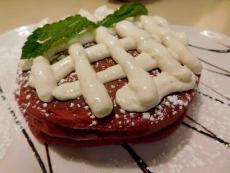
72	123
89	143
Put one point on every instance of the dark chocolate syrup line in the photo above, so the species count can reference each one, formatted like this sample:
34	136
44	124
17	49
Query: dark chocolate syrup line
141	163
209	131
211	50
12	113
216	72
227	144
205	128
217	92
213	98
48	158
34	150
206	62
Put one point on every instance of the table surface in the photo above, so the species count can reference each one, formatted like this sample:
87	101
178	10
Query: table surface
208	14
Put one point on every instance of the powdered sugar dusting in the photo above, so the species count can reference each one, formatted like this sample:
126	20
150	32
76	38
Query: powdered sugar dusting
145	115
5	138
5	132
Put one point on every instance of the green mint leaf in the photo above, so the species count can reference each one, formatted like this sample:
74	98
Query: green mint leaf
125	11
55	37
52	38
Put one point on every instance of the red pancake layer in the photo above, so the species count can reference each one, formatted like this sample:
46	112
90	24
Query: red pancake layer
42	136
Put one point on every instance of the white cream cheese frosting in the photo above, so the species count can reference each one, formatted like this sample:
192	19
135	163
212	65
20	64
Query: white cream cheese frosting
92	89
44	79
140	89
159	47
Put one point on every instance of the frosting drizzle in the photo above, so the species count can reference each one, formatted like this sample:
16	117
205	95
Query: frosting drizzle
92	89
159	47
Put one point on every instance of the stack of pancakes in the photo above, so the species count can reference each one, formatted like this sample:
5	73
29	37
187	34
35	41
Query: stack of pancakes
72	122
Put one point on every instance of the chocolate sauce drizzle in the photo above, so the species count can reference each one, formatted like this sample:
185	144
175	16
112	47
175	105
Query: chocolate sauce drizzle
227	144
32	146
210	133
217	67
216	72
213	98
140	162
48	158
2	96
202	126
211	50
38	157
217	92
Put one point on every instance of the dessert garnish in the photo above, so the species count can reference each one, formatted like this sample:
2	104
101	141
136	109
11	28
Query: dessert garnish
55	37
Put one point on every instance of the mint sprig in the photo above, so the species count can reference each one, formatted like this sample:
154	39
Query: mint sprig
125	11
52	38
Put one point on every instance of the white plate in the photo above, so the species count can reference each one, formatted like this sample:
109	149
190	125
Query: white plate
188	150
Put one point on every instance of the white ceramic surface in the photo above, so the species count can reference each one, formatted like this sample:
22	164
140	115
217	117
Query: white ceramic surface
185	151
